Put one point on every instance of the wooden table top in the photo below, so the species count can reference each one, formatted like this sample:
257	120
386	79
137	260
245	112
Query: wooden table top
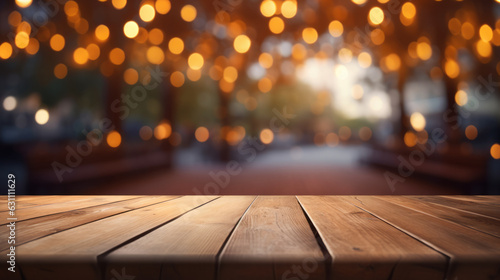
249	237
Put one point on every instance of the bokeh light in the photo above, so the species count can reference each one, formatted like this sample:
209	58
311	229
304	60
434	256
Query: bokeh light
41	116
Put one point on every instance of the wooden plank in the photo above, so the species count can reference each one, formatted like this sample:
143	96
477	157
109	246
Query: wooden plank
23	201
488	199
473	254
32	229
365	247
182	249
73	253
482	208
49	209
272	241
465	218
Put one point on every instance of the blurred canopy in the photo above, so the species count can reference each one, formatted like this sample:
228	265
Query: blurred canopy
216	69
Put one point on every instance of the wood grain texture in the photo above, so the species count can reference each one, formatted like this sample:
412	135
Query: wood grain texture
27	201
271	237
490	209
272	241
365	247
465	218
35	228
68	205
74	252
473	254
185	248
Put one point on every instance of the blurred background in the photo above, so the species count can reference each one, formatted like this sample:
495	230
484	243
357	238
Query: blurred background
250	97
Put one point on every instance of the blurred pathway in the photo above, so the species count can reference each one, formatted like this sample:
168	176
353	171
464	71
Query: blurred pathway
306	170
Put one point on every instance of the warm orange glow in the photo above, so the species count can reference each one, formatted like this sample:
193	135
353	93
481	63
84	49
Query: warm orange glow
5	50
484	48
410	139
102	32
155	55
33	46
57	42
117	56
471	132
495	151
163	6
15	18
131	29
195	61
276	25
408	10
114	139
364	59
163	130
345	55
230	74
358	2
177	79
176	45
455	26
310	35
424	50
451	68
268	8
22	40
94	51
71	8
23	3
81	56
188	13
376	16
299	52
392	62
417	121
266	136
377	36
265	85
266	60
119	4
242	43
155	36
486	33
201	134
147	12
336	28
289	8
60	71
461	98
226	86
467	30
131	76
193	75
